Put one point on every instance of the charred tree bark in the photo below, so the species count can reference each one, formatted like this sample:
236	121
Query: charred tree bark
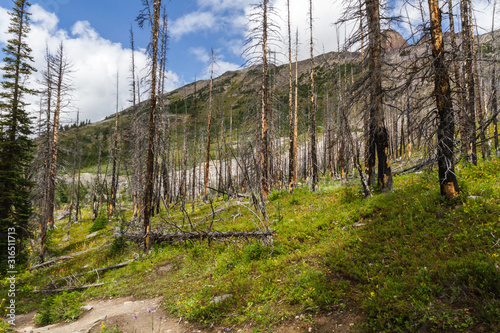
264	158
442	94
379	138
291	155
494	100
314	154
148	192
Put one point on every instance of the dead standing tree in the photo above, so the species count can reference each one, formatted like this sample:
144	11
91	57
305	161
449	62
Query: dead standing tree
378	141
154	21
58	75
115	172
209	124
291	164
261	36
314	154
442	94
468	132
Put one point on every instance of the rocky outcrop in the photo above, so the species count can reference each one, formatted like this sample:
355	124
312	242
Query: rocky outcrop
392	40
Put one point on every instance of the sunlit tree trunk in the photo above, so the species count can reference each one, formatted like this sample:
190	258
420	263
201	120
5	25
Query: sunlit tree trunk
442	94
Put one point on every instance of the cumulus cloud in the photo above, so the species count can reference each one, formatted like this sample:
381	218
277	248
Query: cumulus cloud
220	65
95	61
192	22
220	5
232	16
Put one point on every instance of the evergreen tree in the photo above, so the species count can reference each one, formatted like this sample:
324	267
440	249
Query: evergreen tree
15	129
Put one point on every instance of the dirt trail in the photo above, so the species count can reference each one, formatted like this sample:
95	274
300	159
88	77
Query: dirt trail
125	313
138	317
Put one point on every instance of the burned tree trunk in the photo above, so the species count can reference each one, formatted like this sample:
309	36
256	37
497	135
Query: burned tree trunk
264	158
148	192
378	142
314	154
442	94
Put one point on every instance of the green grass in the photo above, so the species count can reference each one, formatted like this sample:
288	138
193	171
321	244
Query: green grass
402	261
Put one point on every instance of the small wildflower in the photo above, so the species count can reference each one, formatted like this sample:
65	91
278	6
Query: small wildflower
134	317
495	255
372	294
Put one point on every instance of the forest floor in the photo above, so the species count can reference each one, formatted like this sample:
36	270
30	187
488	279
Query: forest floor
404	261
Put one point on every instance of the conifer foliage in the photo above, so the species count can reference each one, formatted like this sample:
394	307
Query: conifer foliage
15	129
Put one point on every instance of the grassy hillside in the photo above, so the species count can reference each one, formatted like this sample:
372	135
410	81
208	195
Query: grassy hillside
236	96
407	261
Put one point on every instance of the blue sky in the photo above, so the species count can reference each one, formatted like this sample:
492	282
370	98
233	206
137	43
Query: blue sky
96	36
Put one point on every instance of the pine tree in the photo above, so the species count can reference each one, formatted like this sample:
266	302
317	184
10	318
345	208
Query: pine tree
15	129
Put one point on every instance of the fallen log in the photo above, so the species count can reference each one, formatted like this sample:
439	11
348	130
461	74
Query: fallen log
68	289
62	258
183	236
414	168
103	269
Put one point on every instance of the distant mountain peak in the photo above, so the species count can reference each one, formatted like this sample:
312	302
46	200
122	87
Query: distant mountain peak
392	40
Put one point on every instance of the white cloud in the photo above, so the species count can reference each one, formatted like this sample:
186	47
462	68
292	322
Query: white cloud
201	54
95	62
220	66
83	30
220	5
192	22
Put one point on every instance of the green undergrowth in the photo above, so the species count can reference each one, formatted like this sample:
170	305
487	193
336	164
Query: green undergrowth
401	262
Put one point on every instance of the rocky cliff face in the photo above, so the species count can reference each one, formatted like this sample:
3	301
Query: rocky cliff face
392	40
